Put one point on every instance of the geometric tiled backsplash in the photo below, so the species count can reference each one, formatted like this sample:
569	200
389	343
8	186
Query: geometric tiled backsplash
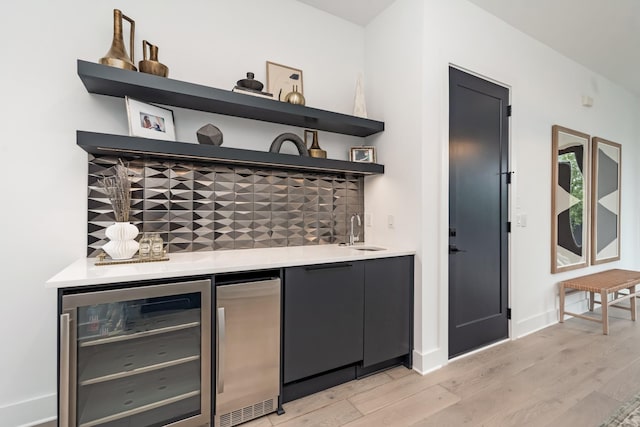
200	207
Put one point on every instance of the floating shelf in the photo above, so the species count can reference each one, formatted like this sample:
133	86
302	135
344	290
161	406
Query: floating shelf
128	146
104	80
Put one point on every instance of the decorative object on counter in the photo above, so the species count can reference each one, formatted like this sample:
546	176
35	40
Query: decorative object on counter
314	150
117	55
276	145
152	65
250	83
150	121
122	233
280	80
145	247
363	154
102	260
295	97
210	135
359	104
157	246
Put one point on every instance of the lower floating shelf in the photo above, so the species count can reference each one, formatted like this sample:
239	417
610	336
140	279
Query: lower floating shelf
102	144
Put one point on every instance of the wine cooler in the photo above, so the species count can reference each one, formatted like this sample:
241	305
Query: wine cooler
138	356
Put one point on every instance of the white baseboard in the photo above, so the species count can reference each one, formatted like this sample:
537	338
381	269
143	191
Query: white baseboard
548	318
30	412
423	363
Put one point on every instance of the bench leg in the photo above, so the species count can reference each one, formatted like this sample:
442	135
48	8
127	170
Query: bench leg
605	311
561	303
591	302
632	290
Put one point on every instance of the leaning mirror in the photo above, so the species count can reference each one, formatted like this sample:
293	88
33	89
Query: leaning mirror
569	200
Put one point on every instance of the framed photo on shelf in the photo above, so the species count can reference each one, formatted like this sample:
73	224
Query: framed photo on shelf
281	79
150	121
363	154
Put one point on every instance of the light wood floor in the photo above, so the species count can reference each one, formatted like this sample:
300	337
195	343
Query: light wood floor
565	375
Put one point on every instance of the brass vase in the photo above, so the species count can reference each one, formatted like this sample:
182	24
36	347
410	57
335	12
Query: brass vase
294	97
117	55
314	150
151	65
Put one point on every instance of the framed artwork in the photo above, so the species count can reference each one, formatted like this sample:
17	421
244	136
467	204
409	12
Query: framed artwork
281	79
605	201
569	199
150	121
363	154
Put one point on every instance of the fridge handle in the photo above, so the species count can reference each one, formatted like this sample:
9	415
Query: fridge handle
221	349
65	332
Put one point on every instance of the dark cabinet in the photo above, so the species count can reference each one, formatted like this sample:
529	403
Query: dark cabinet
388	295
323	318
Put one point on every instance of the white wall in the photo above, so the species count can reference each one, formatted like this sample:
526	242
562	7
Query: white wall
405	54
44	173
546	89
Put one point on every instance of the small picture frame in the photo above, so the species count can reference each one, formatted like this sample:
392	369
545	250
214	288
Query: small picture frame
281	79
363	154
150	121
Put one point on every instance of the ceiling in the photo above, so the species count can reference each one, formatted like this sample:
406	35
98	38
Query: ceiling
360	12
602	35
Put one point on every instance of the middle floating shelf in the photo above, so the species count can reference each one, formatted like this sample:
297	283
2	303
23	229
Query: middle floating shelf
102	144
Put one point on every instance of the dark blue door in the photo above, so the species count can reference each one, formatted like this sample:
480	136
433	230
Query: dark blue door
478	212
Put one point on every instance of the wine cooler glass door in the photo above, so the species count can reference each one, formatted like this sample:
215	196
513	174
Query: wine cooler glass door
139	356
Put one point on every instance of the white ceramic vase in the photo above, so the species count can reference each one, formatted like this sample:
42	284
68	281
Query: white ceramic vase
121	243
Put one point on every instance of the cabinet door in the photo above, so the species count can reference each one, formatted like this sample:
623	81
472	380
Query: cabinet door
388	309
323	318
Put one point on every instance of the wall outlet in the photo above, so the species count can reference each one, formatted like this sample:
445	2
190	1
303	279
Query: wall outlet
368	220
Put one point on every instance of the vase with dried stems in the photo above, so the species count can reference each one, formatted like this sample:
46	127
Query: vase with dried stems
122	233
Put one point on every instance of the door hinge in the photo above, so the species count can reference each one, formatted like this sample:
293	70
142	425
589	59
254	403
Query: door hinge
508	176
509	313
508	110
508	226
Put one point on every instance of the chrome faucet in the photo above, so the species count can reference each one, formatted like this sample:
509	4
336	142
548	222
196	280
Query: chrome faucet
354	237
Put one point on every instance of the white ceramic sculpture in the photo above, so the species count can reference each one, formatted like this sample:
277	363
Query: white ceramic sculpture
359	104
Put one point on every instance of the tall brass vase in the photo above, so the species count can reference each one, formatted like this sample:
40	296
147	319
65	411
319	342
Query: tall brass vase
117	55
314	150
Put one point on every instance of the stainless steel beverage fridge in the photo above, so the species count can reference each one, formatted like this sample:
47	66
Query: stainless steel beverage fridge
136	356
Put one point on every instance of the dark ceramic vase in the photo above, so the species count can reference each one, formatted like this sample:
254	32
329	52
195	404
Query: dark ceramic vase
250	83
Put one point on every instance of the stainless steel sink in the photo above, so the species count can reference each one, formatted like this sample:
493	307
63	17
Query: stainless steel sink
367	248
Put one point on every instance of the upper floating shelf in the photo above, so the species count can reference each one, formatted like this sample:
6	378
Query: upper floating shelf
105	80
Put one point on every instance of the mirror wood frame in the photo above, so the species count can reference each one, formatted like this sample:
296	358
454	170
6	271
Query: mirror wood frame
577	139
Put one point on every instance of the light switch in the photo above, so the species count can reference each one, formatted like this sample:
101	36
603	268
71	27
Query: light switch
390	221
368	220
521	220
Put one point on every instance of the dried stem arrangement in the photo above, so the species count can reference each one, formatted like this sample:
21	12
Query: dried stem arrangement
118	190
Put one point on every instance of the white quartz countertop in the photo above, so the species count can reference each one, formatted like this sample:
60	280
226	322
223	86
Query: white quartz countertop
83	272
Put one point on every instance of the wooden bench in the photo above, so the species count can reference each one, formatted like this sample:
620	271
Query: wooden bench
605	283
